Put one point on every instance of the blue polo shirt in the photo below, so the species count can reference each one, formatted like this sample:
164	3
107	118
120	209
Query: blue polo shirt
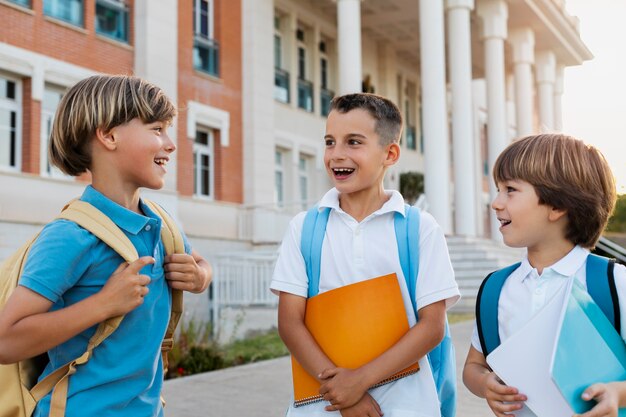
68	264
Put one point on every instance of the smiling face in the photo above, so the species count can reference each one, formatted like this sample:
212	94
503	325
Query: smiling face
523	221
143	151
354	158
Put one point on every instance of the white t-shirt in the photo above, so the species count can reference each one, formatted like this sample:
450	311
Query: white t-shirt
353	252
525	292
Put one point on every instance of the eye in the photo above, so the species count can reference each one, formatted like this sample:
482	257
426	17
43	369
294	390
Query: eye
329	142
510	189
354	142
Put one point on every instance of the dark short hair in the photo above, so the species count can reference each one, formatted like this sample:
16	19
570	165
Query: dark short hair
101	102
568	175
384	111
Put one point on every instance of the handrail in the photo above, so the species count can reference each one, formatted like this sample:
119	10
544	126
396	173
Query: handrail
612	249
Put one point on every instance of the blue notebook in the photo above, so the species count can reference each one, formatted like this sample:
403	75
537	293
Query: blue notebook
588	349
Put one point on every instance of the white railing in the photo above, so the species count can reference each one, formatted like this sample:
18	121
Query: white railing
241	279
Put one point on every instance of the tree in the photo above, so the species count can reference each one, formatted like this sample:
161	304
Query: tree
411	186
617	222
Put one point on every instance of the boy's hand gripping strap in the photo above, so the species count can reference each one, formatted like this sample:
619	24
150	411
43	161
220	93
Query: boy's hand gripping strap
101	226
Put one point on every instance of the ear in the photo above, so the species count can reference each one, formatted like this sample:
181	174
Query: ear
393	154
556	214
106	139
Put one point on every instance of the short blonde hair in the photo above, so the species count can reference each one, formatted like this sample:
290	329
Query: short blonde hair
567	174
101	102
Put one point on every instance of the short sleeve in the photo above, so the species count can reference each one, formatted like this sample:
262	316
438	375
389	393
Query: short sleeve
58	258
290	271
435	279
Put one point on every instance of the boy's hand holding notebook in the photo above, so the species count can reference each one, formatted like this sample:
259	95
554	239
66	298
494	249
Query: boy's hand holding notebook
353	325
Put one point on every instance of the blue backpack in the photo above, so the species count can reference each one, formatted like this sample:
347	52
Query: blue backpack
600	286
442	357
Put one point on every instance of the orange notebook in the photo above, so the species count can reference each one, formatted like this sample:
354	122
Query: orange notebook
353	325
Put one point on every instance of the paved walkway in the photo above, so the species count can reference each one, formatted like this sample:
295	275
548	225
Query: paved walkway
263	389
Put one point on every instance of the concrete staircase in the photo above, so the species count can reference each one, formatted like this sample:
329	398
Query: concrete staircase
473	259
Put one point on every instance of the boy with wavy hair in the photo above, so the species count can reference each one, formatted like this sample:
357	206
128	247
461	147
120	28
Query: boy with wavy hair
555	196
114	127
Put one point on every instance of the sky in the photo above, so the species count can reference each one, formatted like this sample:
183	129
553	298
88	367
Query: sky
594	98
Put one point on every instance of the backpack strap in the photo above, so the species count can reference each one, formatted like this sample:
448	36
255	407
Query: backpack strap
487	308
407	229
311	240
100	225
173	243
603	290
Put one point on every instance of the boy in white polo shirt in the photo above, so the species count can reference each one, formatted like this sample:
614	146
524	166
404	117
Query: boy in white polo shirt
555	196
362	135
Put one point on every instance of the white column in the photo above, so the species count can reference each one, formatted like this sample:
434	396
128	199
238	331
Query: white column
349	46
494	14
558	95
156	55
511	119
460	64
523	41
316	77
434	112
292	59
546	76
258	107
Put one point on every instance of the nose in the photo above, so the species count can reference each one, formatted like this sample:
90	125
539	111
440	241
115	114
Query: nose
168	143
496	204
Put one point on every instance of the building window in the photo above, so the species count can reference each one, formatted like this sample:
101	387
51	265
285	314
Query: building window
303	175
281	77
206	49
203	164
326	95
409	132
9	113
25	3
305	87
112	19
279	176
51	98
70	11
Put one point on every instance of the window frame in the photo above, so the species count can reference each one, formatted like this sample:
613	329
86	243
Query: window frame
14	105
197	18
200	150
120	6
48	12
279	172
46	169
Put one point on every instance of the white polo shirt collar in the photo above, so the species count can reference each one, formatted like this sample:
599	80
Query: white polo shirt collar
395	203
564	268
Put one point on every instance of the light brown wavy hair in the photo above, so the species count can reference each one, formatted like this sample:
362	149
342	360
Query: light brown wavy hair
567	174
101	102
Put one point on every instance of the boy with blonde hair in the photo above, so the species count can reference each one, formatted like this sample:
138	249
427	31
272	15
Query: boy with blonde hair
114	127
362	135
555	196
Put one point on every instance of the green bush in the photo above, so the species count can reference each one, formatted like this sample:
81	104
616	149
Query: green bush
195	351
411	186
200	359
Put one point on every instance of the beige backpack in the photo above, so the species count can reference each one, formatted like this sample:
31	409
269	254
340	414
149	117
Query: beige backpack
20	391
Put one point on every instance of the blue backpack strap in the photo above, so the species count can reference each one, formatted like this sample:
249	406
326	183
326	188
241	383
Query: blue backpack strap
442	357
487	308
407	237
601	287
311	240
